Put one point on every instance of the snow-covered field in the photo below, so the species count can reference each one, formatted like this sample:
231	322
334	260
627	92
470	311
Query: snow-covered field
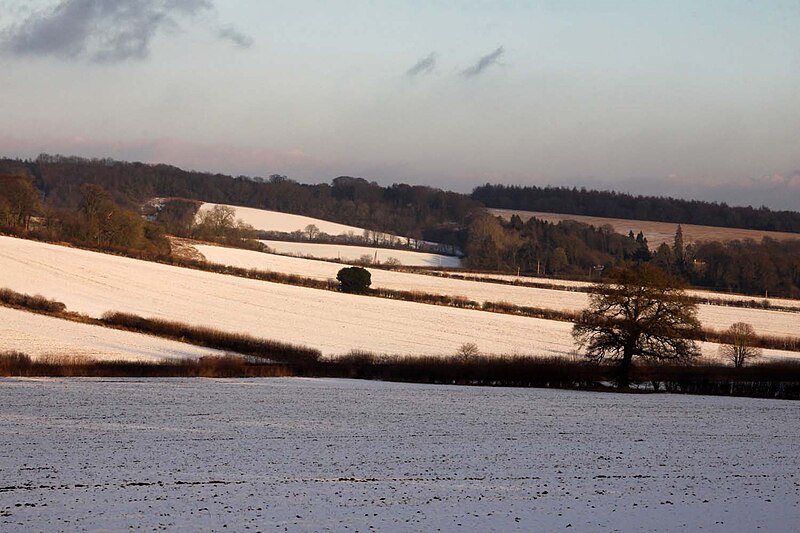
264	220
336	455
39	336
780	302
765	322
335	323
353	253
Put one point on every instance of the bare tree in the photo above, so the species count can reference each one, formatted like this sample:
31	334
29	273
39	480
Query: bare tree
640	312
739	347
312	231
467	351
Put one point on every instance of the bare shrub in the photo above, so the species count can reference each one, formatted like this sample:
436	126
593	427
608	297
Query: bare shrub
33	303
467	351
739	347
358	357
228	366
14	364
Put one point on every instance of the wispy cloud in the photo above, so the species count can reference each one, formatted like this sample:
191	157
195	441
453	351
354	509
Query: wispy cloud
229	33
483	63
104	31
426	65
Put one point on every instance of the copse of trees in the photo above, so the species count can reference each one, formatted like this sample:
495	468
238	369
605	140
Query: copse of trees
576	201
539	247
19	202
98	221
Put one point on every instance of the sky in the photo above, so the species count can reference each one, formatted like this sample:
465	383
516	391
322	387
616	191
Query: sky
694	99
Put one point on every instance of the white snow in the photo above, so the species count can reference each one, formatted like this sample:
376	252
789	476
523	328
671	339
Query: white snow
333	322
335	455
39	336
779	302
264	220
352	253
764	321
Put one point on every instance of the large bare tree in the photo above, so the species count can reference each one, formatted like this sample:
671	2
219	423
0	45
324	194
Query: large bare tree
639	312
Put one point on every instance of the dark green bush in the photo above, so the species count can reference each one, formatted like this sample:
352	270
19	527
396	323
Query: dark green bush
354	279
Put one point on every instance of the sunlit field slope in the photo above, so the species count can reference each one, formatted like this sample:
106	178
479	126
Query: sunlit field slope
353	253
712	316
94	283
39	336
656	232
264	220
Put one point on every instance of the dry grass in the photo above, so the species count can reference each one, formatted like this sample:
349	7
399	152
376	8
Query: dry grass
15	364
656	232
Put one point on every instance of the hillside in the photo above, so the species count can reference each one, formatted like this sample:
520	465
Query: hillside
94	283
76	190
336	323
656	232
43	336
613	204
770	322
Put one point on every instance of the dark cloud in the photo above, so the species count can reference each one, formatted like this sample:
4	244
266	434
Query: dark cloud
483	63
229	33
423	66
104	30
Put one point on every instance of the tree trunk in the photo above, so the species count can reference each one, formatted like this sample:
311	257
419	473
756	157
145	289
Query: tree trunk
623	379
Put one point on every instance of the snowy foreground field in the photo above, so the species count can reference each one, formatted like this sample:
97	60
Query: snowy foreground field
317	455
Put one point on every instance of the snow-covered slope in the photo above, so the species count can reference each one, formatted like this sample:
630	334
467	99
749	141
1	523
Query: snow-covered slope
38	335
335	323
779	302
764	321
353	253
264	220
94	283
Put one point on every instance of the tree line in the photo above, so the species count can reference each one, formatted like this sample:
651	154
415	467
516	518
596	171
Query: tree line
97	221
765	268
612	204
415	211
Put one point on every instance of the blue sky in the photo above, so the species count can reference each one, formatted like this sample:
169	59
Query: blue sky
699	98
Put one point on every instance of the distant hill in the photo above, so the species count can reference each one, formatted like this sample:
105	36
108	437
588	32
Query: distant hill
419	212
413	211
656	233
611	204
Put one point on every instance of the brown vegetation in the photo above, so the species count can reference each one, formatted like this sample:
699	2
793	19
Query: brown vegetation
656	232
212	338
15	364
38	303
765	380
